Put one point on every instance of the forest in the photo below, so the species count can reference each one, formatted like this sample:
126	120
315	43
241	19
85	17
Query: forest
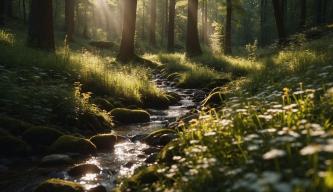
166	95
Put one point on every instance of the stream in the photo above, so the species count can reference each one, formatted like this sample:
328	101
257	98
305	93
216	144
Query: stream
119	163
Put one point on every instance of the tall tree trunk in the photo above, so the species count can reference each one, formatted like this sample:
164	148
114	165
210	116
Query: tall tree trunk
2	12
166	17
24	7
324	11
152	27
319	13
143	19
171	26
9	8
41	33
204	20
279	19
126	52
227	34
192	39
263	7
206	23
303	14
69	18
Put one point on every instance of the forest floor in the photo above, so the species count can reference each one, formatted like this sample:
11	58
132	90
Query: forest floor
265	122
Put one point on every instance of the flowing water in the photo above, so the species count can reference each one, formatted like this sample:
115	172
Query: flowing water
126	156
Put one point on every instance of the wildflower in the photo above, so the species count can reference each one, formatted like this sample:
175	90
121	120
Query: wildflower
270	130
177	158
273	154
212	133
329	92
265	117
299	93
311	149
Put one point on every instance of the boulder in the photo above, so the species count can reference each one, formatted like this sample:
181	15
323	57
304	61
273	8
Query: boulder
58	185
106	141
38	136
128	116
56	159
72	144
94	122
13	146
83	169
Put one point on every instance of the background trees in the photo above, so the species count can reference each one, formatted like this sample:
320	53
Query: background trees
41	33
192	39
126	52
173	25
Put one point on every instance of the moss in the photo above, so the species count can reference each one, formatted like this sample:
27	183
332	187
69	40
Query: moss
58	185
72	144
94	122
14	126
13	146
41	136
106	141
122	115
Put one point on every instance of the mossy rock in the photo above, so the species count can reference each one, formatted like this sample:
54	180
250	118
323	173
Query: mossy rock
14	126
147	175
72	144
58	185
161	102
127	116
106	141
13	146
94	122
38	136
214	98
103	104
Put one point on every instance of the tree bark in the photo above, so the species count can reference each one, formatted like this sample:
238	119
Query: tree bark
263	7
24	7
318	12
126	52
2	12
143	19
9	8
227	34
152	26
279	19
303	14
171	26
41	33
192	39
69	18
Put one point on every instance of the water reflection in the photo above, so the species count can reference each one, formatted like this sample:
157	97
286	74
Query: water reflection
122	162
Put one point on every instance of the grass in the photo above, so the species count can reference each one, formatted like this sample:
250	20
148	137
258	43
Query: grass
273	132
46	88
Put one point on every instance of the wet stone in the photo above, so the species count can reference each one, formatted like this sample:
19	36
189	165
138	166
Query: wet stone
83	169
56	159
151	158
